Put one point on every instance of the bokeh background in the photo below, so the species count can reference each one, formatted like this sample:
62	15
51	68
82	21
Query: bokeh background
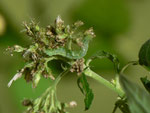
121	27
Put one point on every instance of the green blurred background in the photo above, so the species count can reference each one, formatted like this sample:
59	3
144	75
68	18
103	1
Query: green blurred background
121	26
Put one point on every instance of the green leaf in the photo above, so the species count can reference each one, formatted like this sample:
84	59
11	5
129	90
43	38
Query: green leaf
111	57
144	54
146	83
84	87
122	105
138	98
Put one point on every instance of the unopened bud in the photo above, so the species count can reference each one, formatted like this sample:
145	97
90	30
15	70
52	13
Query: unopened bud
27	102
78	23
59	24
90	32
72	104
18	48
36	79
37	28
59	21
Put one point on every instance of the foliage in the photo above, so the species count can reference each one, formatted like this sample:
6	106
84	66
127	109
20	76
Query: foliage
66	44
146	83
84	87
144	54
48	44
138	98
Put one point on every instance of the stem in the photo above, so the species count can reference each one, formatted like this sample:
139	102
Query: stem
69	44
50	92
88	72
60	76
54	84
127	65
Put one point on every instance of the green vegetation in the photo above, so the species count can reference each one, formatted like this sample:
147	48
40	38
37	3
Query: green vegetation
66	46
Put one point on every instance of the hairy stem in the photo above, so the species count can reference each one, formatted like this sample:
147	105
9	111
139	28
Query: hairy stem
88	72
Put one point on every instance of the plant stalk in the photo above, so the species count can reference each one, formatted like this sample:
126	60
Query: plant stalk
88	72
